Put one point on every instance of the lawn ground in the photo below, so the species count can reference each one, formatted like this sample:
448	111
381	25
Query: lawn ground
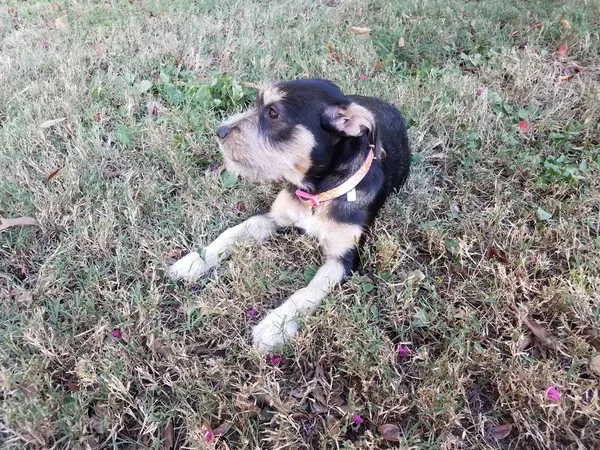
486	267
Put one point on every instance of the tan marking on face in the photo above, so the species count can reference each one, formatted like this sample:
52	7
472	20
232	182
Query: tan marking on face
240	117
248	153
272	94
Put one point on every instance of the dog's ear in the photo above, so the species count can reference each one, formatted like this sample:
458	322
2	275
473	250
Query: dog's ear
352	120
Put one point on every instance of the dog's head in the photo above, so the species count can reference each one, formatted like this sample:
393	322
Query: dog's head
292	129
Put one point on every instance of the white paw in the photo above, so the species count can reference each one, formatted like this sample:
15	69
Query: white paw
274	330
189	268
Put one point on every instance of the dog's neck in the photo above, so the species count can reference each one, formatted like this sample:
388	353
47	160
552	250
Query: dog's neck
343	160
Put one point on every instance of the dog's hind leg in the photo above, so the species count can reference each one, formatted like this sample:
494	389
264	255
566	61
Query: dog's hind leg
339	246
192	266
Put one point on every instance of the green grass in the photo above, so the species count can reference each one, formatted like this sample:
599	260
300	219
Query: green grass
494	227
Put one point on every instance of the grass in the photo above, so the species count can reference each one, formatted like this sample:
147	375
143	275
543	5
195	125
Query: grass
496	229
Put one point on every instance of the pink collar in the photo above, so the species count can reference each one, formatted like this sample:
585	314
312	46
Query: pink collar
315	200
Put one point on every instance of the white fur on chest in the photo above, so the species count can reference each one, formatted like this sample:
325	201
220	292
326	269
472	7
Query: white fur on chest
314	224
317	222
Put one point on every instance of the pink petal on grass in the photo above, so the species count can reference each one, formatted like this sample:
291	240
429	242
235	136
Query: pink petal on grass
275	360
525	127
362	77
116	333
357	419
553	393
562	50
403	350
154	108
44	44
546	151
253	313
480	92
208	435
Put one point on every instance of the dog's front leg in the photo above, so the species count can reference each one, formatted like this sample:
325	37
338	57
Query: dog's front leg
193	266
281	323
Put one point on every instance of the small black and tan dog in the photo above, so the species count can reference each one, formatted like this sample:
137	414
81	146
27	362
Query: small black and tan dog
341	156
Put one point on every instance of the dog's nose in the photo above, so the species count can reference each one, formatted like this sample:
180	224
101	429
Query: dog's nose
223	131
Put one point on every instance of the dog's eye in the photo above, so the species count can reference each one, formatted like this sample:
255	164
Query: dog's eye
273	114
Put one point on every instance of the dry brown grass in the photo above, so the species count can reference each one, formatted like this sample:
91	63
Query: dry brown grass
457	265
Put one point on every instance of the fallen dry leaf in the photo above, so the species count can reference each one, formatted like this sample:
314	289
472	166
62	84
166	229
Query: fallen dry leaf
251	85
414	19
595	363
61	24
390	432
90	443
52	122
333	425
562	50
29	391
268	399
125	336
205	310
110	174
536	25
319	396
143	439
540	332
154	108
570	72
565	23
222	429
501	431
99	49
401	42
53	174
359	30
98	424
525	127
415	278
167	434
332	53
73	387
524	342
493	253
225	61
592	337
320	374
461	314
18	222
159	348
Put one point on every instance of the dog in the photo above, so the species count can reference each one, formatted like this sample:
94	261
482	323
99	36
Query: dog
341	156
